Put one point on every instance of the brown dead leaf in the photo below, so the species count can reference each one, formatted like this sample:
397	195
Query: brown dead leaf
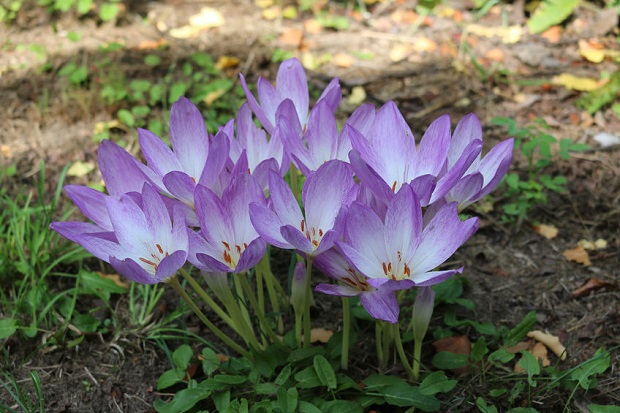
454	345
424	44
497	55
312	26
291	37
579	255
344	60
591	285
115	278
547	231
591	246
226	62
150	44
207	18
553	34
213	96
550	341
508	34
320	335
400	52
272	13
524	345
539	351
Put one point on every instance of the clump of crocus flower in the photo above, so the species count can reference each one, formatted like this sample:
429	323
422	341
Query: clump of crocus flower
377	212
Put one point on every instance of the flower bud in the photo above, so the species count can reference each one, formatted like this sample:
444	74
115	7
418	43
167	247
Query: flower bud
422	312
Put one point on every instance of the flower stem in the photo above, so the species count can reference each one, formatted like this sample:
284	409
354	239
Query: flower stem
417	353
204	296
261	317
307	299
401	353
174	282
264	269
346	332
379	344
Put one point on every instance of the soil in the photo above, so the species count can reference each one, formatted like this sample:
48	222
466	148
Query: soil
510	269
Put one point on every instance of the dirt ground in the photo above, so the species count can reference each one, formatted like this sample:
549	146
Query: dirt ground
510	270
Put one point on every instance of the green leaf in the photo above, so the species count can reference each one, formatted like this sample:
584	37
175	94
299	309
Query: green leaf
182	356
342	406
585	371
325	372
519	332
152	60
306	407
522	410
436	382
549	13
307	378
79	75
287	399
599	408
230	379
170	378
497	392
221	400
479	349
8	327
92	283
284	375
183	401
83	6
126	117
108	11
63	5
237	406
86	323
176	91
266	388
448	361
484	407
531	366
405	395
210	361
502	355
140	85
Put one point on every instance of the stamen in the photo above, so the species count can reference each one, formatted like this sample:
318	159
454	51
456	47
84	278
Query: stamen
227	258
226	245
394	187
193	179
390	267
407	271
161	250
303	225
315	243
320	232
238	249
400	258
313	231
385	268
245	245
151	263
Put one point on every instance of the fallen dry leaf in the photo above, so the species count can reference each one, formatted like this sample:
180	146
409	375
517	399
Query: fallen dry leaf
291	37
115	278
150	44
579	255
357	96
550	341
539	351
424	44
272	13
185	32
344	60
400	52
592	284
547	231
226	62
207	18
508	34
80	168
497	55
312	26
599	244
524	345
320	335
213	96
583	84
454	345
553	34
591	51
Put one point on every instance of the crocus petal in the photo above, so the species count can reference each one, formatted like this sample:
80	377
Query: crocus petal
269	101
159	156
198	245
216	160
121	172
296	239
370	177
92	204
133	271
322	134
284	203
214	219
292	83
495	165
467	131
261	172
456	172
240	193
334	289
403	223
433	149
441	238
156	215
188	135
130	225
181	186
208	263
91	237
393	143
433	277
267	224
423	186
258	111
362	118
251	255
332	94
381	304
466	188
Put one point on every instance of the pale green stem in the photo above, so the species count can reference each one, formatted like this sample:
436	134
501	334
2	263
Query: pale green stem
204	296
242	326
174	282
298	320
307	300
417	353
401	352
241	299
346	332
261	317
379	344
264	269
260	291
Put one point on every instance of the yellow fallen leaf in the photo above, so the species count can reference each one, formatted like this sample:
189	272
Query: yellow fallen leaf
116	279
579	255
547	231
207	18
357	96
80	168
589	245
321	335
272	13
312	62
508	34
343	60
263	4
572	82
550	341
289	12
213	96
400	52
225	62
539	351
591	52
424	44
185	32
103	126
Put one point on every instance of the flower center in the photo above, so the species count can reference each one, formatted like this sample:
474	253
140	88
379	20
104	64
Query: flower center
232	255
312	234
154	259
397	272
356	281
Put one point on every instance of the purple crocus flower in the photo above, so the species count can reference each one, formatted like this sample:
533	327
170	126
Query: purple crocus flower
325	194
322	141
227	241
192	160
399	252
386	156
484	174
292	84
262	154
380	302
121	172
145	244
